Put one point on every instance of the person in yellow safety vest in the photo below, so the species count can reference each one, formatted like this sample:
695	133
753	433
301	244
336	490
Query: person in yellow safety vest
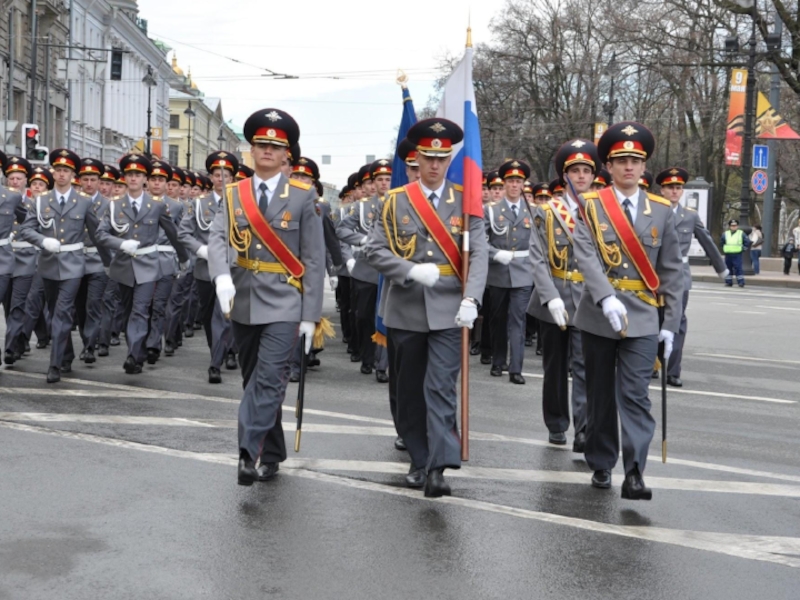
734	243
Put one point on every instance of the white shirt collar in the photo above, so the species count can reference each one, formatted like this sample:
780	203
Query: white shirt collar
518	204
570	204
272	182
217	197
136	201
438	192
633	199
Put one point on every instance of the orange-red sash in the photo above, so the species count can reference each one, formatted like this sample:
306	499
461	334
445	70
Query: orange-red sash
631	244
264	231
433	223
563	215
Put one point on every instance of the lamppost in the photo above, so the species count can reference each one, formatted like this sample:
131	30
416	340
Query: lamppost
221	137
612	70
190	114
150	81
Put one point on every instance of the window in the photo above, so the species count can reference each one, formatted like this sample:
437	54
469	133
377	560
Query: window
173	152
174	121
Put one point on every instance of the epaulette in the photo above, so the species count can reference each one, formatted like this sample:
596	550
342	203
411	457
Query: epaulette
490	203
458	187
116	197
365	199
544	206
231	185
396	190
691	209
84	194
591	195
659	199
300	184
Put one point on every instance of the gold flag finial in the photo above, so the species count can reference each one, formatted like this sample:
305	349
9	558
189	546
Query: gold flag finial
469	28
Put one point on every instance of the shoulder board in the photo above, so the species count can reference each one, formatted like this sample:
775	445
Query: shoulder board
458	187
544	206
322	200
396	190
691	209
490	203
232	185
365	199
157	198
84	194
299	184
659	199
590	195
117	198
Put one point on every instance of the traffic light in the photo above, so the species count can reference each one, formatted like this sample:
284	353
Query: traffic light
30	144
116	65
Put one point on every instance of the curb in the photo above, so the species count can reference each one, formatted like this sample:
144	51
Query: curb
752	281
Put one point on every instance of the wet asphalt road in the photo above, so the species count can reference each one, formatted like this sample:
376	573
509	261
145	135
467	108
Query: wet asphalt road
120	486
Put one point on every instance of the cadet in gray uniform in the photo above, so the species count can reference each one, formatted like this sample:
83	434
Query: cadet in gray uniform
131	227
353	230
508	228
173	328
89	304
425	305
110	326
689	224
557	289
630	260
194	232
58	223
277	279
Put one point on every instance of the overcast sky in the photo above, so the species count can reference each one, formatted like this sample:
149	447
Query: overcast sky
346	54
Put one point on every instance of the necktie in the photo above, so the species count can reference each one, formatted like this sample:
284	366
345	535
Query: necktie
135	206
515	208
627	206
263	201
432	198
61	201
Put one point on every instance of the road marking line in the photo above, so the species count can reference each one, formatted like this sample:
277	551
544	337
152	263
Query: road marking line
775	549
748	358
778	307
748	312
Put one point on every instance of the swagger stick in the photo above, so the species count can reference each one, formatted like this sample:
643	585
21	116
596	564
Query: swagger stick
663	384
301	392
464	343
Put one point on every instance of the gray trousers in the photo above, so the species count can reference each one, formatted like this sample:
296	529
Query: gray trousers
110	322
676	357
173	330
508	325
60	297
560	350
15	321
136	302
265	352
158	312
216	326
426	367
89	307
618	373
37	315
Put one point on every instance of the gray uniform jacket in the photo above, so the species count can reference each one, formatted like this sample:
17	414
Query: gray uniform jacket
26	255
659	238
195	228
504	232
120	224
263	297
94	264
167	257
352	230
12	210
69	226
689	223
410	305
346	250
332	246
546	286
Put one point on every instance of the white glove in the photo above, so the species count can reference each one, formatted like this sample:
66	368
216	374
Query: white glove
558	311
724	274
467	313
351	262
202	252
307	329
334	283
51	244
364	241
129	246
504	257
427	274
668	338
225	292
614	311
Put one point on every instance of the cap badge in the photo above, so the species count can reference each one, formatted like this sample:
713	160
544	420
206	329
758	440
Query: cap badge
273	116
436	143
515	164
630	130
222	155
271	132
383	161
578	144
628	145
438	127
579	156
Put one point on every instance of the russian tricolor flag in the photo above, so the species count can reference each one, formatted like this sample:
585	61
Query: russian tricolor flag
458	105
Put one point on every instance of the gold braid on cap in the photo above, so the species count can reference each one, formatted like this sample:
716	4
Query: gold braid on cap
611	253
404	250
558	258
239	240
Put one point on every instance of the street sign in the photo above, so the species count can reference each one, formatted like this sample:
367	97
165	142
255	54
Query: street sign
759	182
760	156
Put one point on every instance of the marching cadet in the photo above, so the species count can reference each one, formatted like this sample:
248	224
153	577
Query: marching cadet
345	283
556	188
17	171
58	223
354	230
497	187
106	184
486	197
424	295
508	230
601	179
181	287
646	181
541	193
244	172
277	278
194	233
111	184
120	187
558	285
131	227
628	251
527	192
688	222
734	243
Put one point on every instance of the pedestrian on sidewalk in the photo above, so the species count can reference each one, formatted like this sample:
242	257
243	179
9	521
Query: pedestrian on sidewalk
787	252
756	241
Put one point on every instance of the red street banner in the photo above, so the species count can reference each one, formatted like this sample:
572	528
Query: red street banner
733	135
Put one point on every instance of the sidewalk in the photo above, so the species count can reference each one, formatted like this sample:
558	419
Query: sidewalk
765	279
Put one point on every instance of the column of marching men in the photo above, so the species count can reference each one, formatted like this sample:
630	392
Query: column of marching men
590	267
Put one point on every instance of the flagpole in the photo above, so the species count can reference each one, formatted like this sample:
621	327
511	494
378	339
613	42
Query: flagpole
464	331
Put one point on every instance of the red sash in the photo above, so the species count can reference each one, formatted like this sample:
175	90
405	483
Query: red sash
433	223
265	232
631	244
563	214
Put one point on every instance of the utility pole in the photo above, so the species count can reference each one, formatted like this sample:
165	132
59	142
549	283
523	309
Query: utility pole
34	49
747	142
772	171
49	140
